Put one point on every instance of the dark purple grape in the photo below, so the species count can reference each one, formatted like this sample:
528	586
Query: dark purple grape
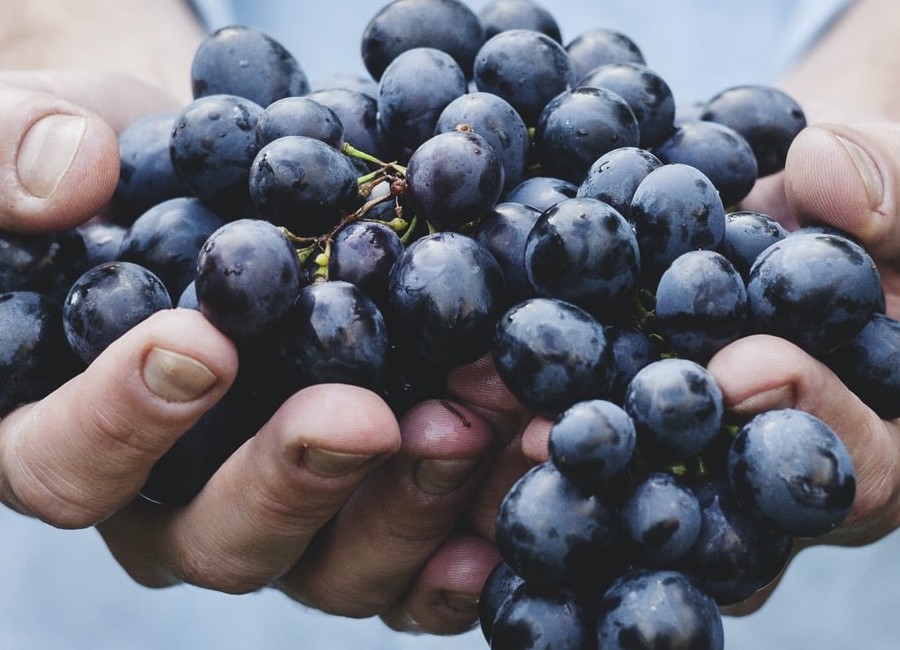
358	113
299	116
334	333
675	209
248	276
245	61
413	91
584	252
212	148
600	46
167	238
747	234
789	468
701	305
540	619
446	292
401	25
107	301
455	178
504	232
767	117
554	534
344	81
720	152
102	241
47	263
815	290
658	609
363	253
578	126
498	123
35	357
591	442
552	354
735	554
869	364
146	174
660	519
615	175
502	15
646	93
632	349
497	589
524	67
541	192
303	184
676	406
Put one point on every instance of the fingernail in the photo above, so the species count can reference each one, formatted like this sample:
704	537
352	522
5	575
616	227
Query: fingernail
47	151
464	603
442	476
780	397
867	170
176	377
331	464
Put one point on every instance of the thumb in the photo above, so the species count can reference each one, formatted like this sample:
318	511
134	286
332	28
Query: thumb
61	163
846	177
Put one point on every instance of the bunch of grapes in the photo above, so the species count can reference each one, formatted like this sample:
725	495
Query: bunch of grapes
490	191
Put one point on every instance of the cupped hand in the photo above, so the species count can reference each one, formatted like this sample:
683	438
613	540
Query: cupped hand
333	501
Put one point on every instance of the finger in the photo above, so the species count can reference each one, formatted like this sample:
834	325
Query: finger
847	177
386	532
444	597
61	163
84	451
256	515
762	372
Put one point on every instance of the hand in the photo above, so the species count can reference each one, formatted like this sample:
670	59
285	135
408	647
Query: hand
333	501
843	176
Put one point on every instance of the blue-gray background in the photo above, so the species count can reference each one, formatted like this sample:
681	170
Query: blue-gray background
61	590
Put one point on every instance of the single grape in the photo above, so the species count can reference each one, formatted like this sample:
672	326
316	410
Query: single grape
584	252
524	67
791	469
767	117
363	253
504	232
299	116
107	301
167	238
358	113
455	178
660	519
721	153
540	619
494	119
815	290
247	62
632	349
248	277
35	357
591	442
414	89
445	294
212	148
615	175
735	554
676	406
600	46
658	609
401	25
646	93
552	354
303	184
502	15
554	534
541	192
578	126
701	305
747	234
102	240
